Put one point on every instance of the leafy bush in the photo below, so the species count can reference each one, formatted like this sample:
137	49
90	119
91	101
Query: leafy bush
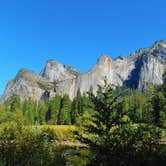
34	145
26	146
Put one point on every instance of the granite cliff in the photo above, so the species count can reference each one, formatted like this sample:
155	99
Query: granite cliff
136	71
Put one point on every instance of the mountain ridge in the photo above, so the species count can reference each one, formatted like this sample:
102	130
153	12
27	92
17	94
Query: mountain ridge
137	70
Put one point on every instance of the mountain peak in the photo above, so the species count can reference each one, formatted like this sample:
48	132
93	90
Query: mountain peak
103	59
158	49
55	71
53	62
22	73
136	71
160	43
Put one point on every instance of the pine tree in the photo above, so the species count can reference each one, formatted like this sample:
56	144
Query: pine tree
64	117
162	102
48	115
109	132
29	117
95	131
42	113
13	103
80	104
163	86
30	111
74	111
26	106
152	105
55	105
79	101
164	77
77	107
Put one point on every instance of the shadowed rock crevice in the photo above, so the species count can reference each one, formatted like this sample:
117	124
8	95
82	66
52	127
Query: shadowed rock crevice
133	79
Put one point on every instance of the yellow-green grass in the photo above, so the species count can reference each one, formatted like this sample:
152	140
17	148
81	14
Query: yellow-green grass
56	133
59	127
61	132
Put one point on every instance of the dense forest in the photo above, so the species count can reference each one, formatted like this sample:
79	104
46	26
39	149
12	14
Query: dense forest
140	107
116	126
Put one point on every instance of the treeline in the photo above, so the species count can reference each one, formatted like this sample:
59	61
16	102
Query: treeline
141	107
59	110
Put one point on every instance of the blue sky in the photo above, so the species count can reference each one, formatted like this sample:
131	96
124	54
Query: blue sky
74	32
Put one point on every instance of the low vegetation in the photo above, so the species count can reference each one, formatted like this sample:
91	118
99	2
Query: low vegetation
45	85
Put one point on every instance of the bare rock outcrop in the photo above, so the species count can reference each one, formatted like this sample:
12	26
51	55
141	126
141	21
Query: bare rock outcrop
136	71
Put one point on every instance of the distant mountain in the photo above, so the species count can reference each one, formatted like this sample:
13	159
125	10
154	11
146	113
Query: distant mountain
136	71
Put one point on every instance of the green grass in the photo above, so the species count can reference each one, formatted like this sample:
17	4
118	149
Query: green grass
57	132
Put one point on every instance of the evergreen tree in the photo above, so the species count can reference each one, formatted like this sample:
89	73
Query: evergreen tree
163	86
48	115
26	106
77	107
162	114
29	117
30	111
74	111
152	105
54	106
13	103
134	105
64	117
110	133
164	77
80	104
42	113
162	102
79	101
87	105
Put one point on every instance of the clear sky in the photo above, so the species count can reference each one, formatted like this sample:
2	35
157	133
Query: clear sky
74	32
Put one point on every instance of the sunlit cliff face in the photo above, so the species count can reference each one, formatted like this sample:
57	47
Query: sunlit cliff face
136	71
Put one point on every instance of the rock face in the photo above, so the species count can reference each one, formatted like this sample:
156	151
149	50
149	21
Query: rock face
136	71
55	71
25	85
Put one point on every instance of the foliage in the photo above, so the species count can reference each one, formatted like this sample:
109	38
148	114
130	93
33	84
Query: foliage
46	86
72	70
119	126
64	117
79	105
59	132
110	132
34	145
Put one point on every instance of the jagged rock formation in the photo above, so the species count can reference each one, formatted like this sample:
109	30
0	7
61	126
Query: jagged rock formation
55	71
25	85
136	71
